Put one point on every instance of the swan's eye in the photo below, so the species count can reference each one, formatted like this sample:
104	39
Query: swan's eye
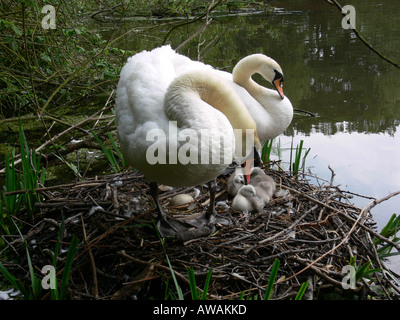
278	75
278	83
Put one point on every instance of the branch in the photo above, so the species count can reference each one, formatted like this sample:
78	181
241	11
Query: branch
192	21
363	40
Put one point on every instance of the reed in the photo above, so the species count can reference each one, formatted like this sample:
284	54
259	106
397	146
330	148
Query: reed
32	175
390	230
299	162
111	152
34	291
266	151
26	179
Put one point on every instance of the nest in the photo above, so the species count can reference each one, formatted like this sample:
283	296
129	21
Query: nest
313	230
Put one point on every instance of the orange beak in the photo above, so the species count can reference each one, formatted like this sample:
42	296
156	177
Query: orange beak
247	170
278	84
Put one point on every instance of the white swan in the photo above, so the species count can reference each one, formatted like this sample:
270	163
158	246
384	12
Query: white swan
163	98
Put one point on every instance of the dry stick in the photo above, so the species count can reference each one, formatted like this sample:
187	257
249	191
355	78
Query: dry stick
376	234
283	232
380	264
362	213
162	267
91	258
206	24
318	271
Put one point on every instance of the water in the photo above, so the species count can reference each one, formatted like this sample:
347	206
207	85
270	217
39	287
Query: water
329	72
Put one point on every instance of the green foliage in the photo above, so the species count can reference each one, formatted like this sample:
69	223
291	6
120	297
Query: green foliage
269	290
299	161
271	280
196	295
34	291
266	151
40	65
20	186
110	153
390	230
32	175
301	291
364	270
11	202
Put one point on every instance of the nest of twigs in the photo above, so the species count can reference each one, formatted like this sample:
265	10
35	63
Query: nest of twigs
313	231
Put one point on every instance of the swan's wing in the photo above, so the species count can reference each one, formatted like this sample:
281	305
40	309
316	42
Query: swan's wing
140	110
140	99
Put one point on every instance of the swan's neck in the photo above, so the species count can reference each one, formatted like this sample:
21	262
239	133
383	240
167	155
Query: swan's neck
278	112
243	72
212	89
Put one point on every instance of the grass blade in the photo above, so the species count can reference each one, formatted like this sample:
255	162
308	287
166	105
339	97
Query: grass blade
17	284
272	277
72	250
192	283
178	288
36	287
206	285
266	151
302	290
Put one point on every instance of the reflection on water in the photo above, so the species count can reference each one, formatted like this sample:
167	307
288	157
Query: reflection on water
329	72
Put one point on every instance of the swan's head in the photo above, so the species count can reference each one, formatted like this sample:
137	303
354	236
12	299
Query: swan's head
272	72
267	67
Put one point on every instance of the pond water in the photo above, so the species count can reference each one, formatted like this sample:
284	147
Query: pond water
329	72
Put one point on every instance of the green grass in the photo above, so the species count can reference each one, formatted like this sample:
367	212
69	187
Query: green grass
196	294
19	191
297	158
34	291
266	151
271	280
299	163
111	152
390	230
32	175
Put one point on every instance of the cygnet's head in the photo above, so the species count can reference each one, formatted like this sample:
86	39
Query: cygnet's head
256	171
235	182
247	200
248	191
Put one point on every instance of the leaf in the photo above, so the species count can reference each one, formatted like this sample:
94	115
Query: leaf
302	290
16	29
14	281
45	57
192	283
206	284
271	280
72	250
